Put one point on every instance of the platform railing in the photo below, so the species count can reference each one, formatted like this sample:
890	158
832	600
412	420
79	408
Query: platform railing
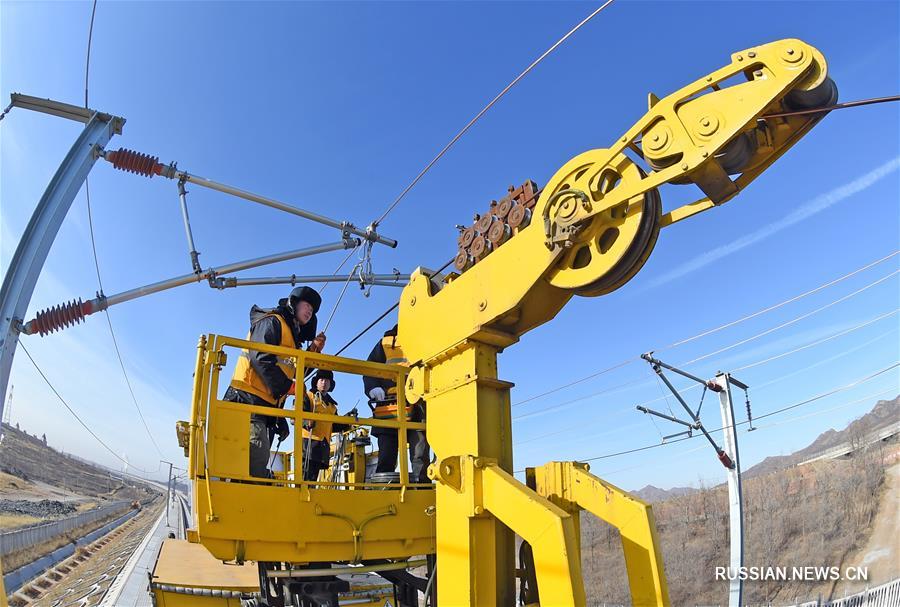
220	429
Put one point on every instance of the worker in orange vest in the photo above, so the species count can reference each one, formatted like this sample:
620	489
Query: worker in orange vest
317	433
382	395
265	379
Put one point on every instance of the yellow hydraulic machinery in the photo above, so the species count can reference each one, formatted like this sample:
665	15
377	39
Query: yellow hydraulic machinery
591	230
587	232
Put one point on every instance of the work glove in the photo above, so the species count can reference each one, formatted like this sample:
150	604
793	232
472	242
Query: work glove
376	393
282	429
318	344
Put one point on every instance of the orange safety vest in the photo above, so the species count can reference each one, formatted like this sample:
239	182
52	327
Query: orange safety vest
248	380
393	354
320	430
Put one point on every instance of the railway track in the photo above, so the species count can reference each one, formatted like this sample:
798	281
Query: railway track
83	579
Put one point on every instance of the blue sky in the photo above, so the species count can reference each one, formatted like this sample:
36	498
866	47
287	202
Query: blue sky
335	107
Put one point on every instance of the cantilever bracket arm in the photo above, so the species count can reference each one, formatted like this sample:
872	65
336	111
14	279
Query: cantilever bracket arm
60	317
570	486
396	279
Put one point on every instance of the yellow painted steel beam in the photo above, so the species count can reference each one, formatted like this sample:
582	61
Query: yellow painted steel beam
550	530
468	413
570	486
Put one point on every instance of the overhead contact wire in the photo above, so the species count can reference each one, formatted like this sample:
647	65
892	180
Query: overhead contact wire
695	360
711	331
484	110
852	384
87	193
695	386
74	414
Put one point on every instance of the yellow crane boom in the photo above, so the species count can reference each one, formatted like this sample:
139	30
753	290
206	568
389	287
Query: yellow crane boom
589	231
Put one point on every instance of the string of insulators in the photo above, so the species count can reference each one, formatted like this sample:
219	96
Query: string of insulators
502	221
59	317
135	162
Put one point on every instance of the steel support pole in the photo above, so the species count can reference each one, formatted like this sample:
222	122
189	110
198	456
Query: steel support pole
735	497
31	253
192	250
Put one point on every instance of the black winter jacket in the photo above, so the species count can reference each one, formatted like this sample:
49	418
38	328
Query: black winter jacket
266	329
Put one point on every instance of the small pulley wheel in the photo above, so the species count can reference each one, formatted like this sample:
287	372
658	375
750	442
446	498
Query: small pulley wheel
484	223
462	261
467	237
518	217
499	233
504	208
738	153
823	94
481	246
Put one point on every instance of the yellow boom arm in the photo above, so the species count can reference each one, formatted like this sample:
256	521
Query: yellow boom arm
593	227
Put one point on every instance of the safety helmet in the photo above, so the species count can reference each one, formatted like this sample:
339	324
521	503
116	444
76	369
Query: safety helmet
323	374
307	294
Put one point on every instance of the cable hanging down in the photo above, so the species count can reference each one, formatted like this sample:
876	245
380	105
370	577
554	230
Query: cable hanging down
75	415
71	313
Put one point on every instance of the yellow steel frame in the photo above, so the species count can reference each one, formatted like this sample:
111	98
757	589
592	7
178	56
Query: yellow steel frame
572	488
452	333
287	519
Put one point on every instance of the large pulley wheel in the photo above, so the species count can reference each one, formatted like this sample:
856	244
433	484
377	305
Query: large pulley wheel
616	243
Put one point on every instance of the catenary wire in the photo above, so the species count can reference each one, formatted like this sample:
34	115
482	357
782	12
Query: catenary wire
340	297
705	356
757	417
87	194
338	269
814	343
709	331
764	426
484	110
792	321
741	423
74	414
748	366
836	106
829	410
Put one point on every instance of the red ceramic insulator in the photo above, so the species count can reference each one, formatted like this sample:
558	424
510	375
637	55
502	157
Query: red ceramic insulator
726	461
59	317
134	162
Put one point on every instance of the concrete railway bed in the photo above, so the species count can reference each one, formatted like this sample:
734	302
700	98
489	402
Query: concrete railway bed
83	578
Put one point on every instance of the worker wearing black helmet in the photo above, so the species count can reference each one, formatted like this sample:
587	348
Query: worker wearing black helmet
264	379
317	433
